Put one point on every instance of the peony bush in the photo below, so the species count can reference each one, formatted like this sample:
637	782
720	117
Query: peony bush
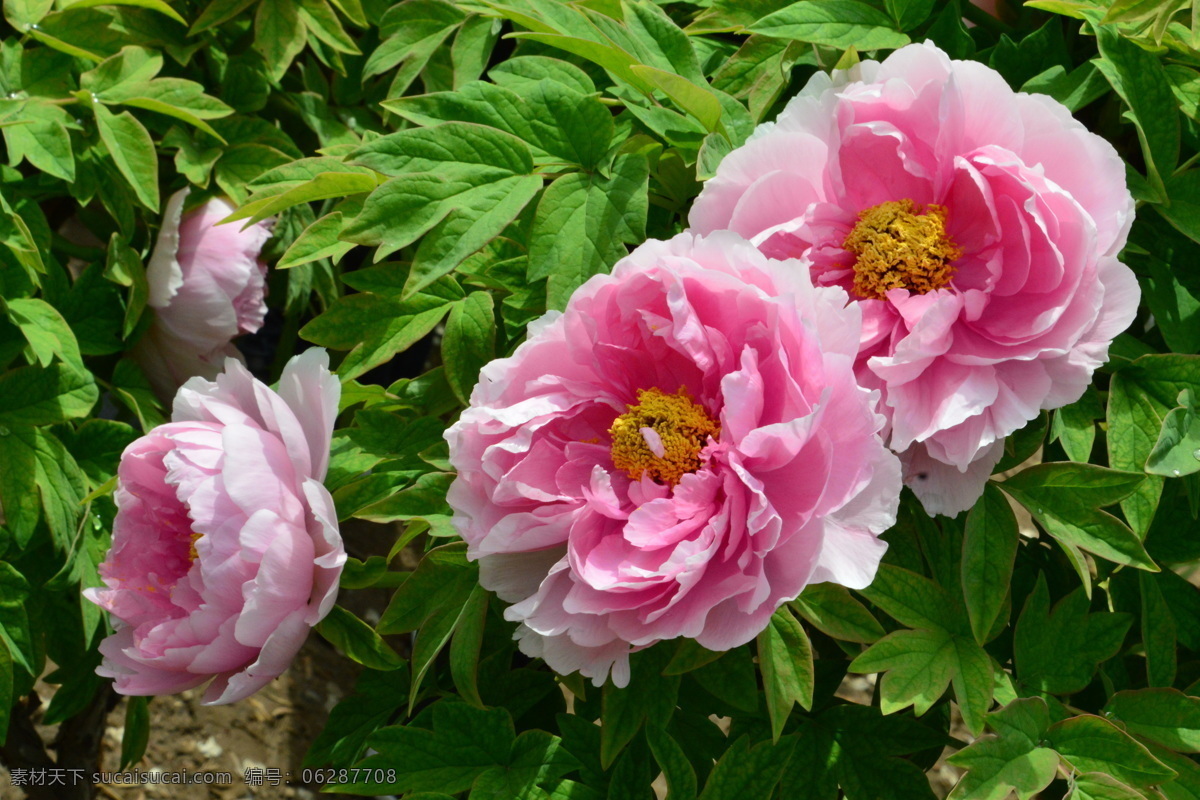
687	400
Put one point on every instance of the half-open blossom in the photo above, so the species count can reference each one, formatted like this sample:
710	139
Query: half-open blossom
206	286
977	227
678	453
225	547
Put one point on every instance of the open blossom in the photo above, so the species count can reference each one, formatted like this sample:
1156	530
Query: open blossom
977	227
225	546
206	285
678	453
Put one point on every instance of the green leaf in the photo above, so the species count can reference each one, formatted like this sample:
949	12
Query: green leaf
915	600
457	209
411	32
442	575
322	186
375	328
1065	498
469	342
47	332
973	682
1074	426
1098	786
38	134
521	74
131	64
537	757
377	696
318	241
832	610
713	150
759	72
698	101
1075	89
617	62
1134	424
279	34
990	541
132	150
745	772
918	666
1093	744
433	600
582	223
1185	84
1158	632
689	656
453	149
62	486
357	641
153	5
14	618
860	746
1019	61
184	100
732	678
6	691
786	662
681	777
660	39
22	13
557	121
472	48
466	644
908	14
1186	785
1058	651
218	12
1174	454
137	731
1138	77
1013	760
124	266
649	698
427	496
18	483
131	388
1166	716
1183	191
835	23
322	22
44	396
1131	11
16	236
464	742
1023	443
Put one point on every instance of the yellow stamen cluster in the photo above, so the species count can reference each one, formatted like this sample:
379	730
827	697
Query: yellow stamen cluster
900	246
192	554
682	425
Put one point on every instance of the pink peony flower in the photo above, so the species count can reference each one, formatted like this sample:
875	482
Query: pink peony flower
677	454
978	229
225	547
206	286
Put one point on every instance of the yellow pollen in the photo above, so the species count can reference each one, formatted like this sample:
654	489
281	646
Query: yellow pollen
900	246
192	554
661	436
